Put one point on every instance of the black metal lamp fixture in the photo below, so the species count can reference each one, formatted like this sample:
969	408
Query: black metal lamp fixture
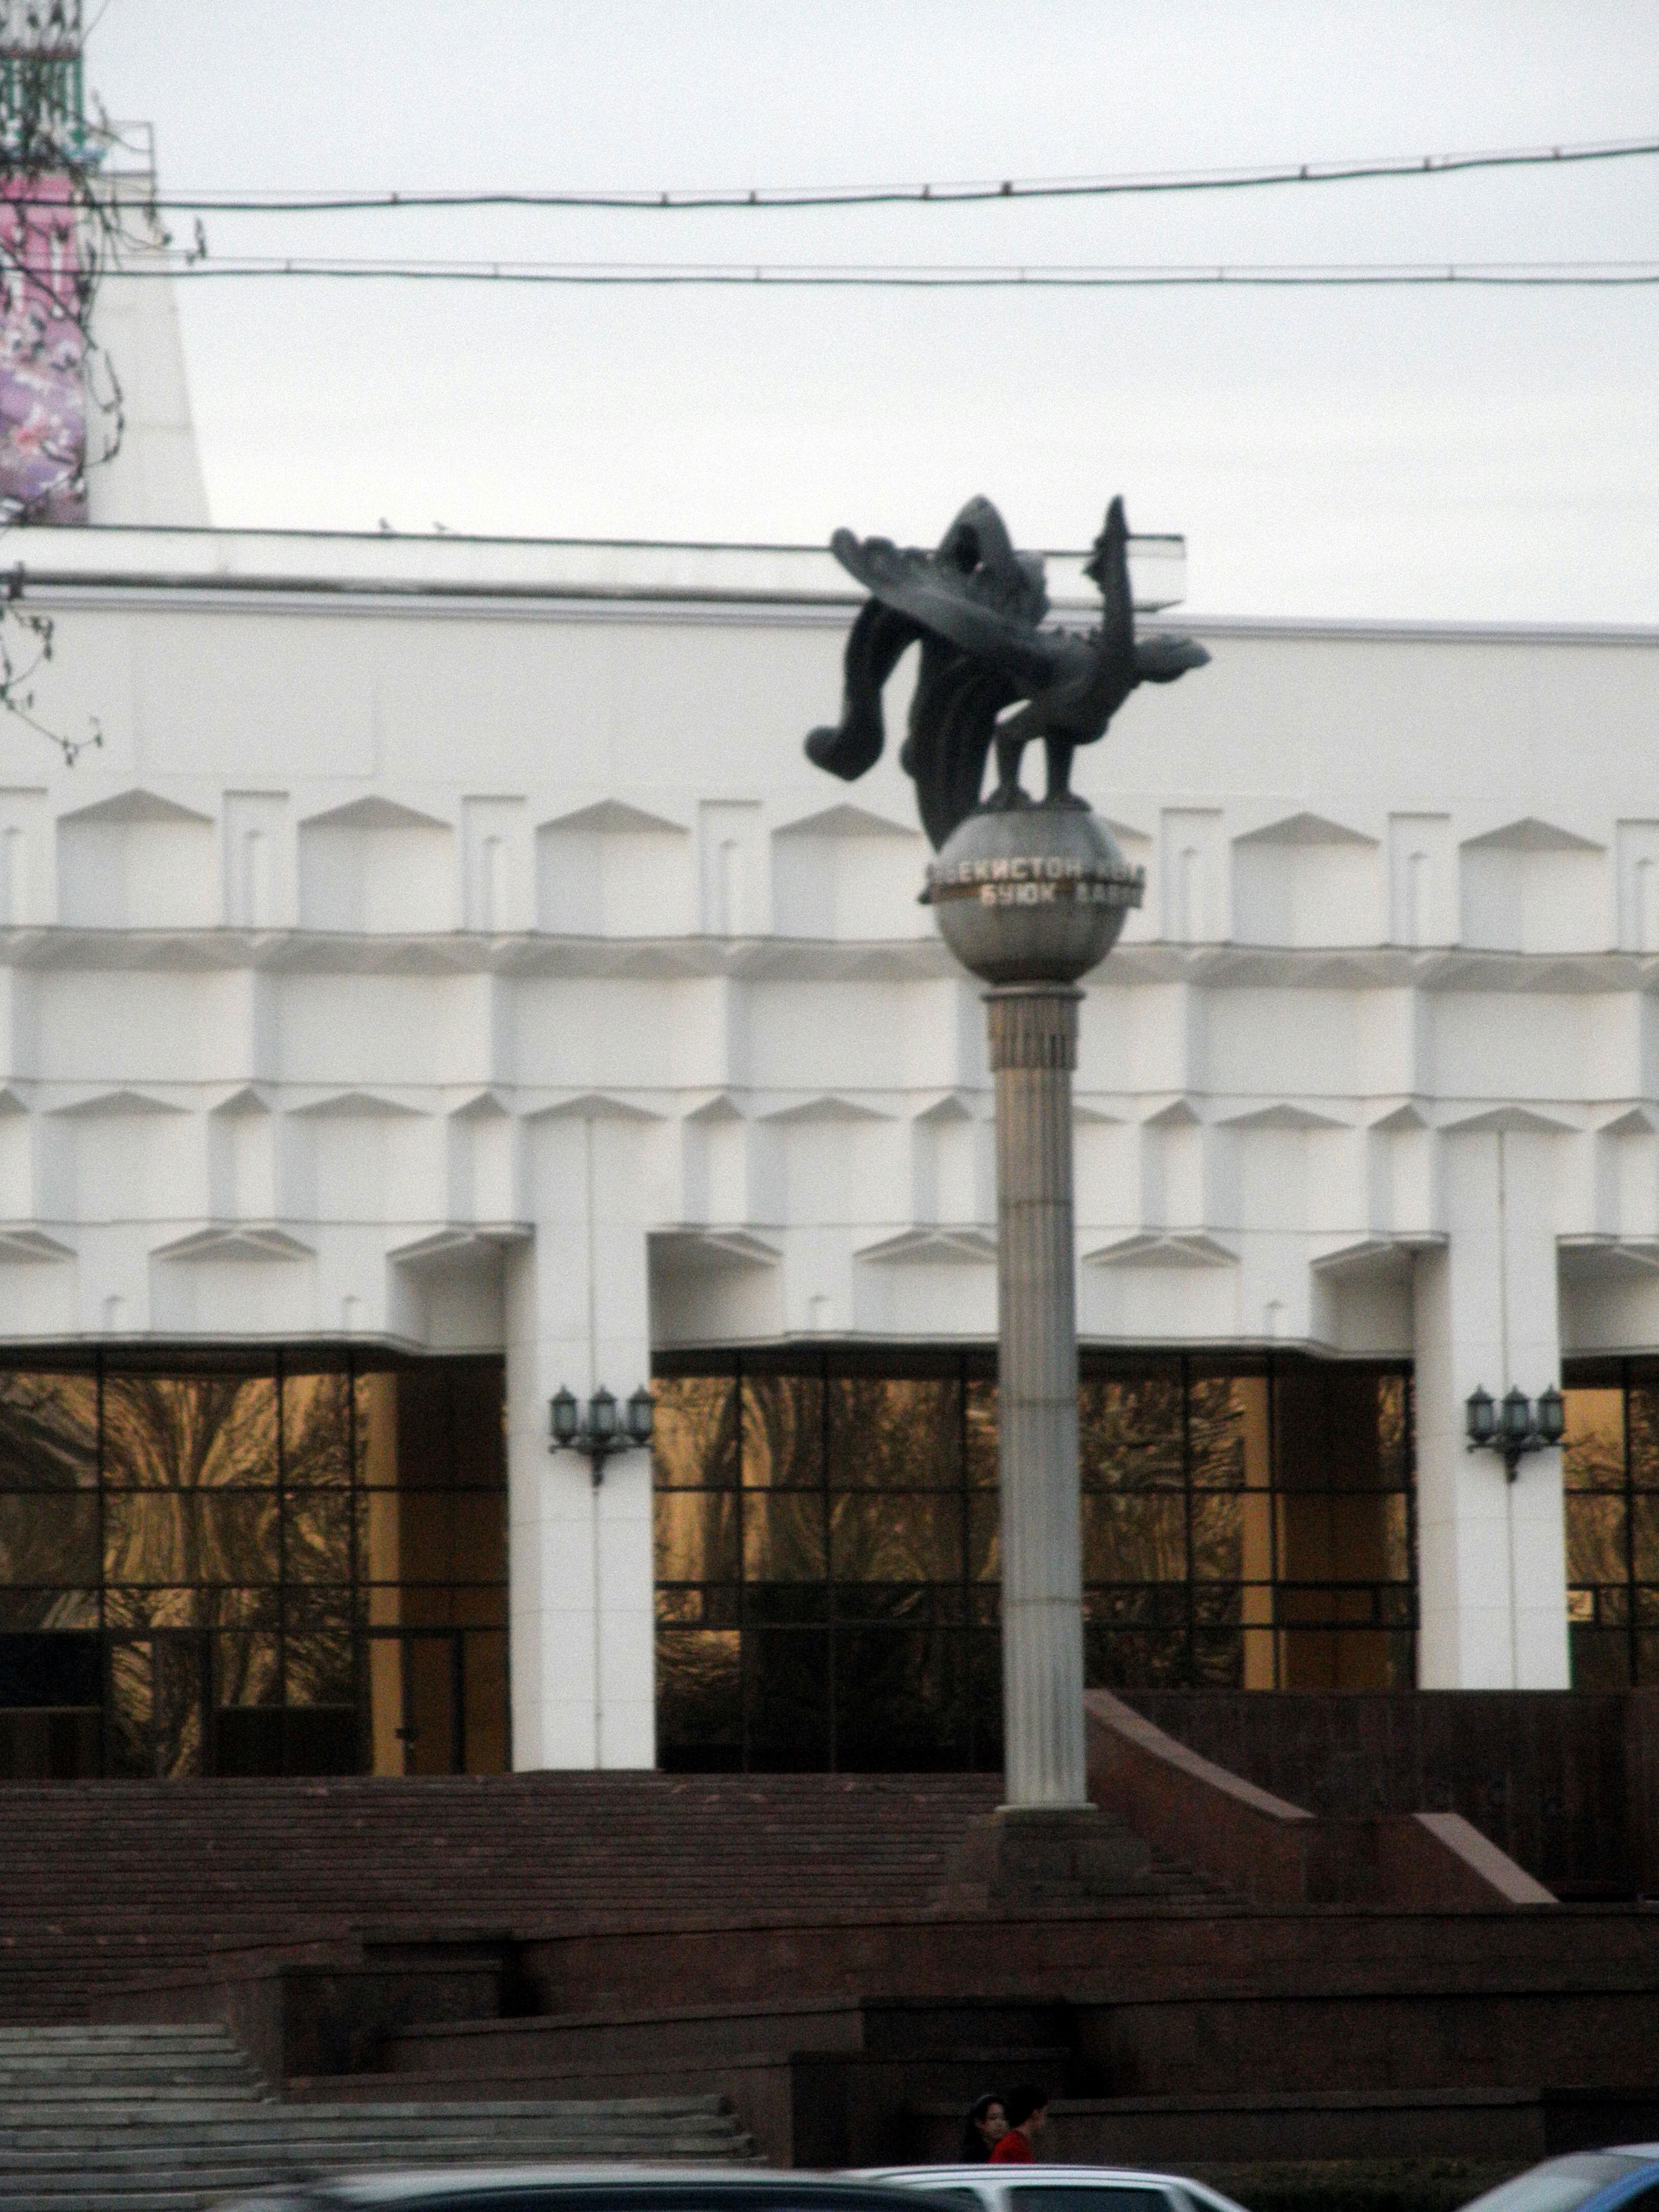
602	1429
1514	1426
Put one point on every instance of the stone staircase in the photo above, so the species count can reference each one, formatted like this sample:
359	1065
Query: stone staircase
106	1880
164	2119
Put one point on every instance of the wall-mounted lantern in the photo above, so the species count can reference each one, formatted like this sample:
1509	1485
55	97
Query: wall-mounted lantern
1513	1425
603	1428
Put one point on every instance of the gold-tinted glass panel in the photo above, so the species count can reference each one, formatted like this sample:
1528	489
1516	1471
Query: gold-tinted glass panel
319	1669
696	1536
1134	1540
48	1432
48	1539
890	1434
486	1705
190	1433
190	1539
1596	1537
699	1686
1593	1454
1129	1433
782	1433
980	1434
1645	1538
783	1539
984	1537
1220	1520
247	1669
696	1434
317	1537
902	1539
1341	1537
317	1425
1642	1414
48	1609
1228	1433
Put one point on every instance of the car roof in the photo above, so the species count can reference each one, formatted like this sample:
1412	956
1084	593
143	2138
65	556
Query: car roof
906	2175
410	2185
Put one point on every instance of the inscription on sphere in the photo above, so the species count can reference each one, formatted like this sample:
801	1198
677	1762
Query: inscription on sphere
1018	879
1032	894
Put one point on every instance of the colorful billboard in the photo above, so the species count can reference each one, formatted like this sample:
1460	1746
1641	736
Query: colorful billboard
43	407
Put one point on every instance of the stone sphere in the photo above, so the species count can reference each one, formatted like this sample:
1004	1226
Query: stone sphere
1032	894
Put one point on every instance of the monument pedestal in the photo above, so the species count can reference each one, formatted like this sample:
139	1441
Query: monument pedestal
1023	1855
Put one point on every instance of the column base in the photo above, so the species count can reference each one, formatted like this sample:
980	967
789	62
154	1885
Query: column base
1062	1855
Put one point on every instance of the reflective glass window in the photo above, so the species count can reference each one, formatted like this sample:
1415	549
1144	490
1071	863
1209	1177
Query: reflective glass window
234	1534
828	1541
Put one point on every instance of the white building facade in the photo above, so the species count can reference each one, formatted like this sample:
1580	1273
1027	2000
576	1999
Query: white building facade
447	982
450	950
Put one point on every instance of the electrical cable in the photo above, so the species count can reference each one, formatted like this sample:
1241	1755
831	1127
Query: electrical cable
1511	275
934	195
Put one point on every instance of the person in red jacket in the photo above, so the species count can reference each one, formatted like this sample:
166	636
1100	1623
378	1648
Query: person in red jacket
1027	2108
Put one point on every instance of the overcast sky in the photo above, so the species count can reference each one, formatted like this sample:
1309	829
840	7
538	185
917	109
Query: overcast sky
1425	454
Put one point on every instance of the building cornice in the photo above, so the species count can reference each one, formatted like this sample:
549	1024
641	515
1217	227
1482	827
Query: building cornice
602	580
808	960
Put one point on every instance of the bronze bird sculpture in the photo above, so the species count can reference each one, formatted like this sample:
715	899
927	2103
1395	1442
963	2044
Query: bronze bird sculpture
991	675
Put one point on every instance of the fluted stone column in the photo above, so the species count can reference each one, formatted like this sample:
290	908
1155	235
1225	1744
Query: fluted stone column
1033	1036
1030	899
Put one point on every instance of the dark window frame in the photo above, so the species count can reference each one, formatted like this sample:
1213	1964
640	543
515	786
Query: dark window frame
166	1626
1190	1626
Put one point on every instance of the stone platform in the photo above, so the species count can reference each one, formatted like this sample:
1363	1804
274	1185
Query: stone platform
1236	1977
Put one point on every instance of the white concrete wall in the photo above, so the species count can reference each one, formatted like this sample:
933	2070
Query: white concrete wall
474	974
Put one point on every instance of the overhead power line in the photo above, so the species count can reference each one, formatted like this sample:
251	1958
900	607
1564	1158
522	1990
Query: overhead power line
955	194
1245	275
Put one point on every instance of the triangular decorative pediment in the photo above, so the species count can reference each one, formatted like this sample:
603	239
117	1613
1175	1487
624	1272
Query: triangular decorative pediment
487	1239
949	1247
484	1106
108	1104
1171	1248
1177	1114
952	1109
829	1108
244	1100
356	1106
614	817
1096	1116
373	813
1634	1121
721	1108
1401	1118
1305	830
1373	1254
137	805
847	820
1282	1117
19	1242
1509	1121
1628	1259
1530	835
235	1241
711	1251
594	1106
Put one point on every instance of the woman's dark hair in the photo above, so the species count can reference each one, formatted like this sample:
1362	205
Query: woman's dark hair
1020	2104
976	2151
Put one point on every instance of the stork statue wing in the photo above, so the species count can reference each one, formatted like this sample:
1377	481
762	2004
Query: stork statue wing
916	585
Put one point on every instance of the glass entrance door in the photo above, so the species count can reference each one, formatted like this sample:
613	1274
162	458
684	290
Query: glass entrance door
438	1700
